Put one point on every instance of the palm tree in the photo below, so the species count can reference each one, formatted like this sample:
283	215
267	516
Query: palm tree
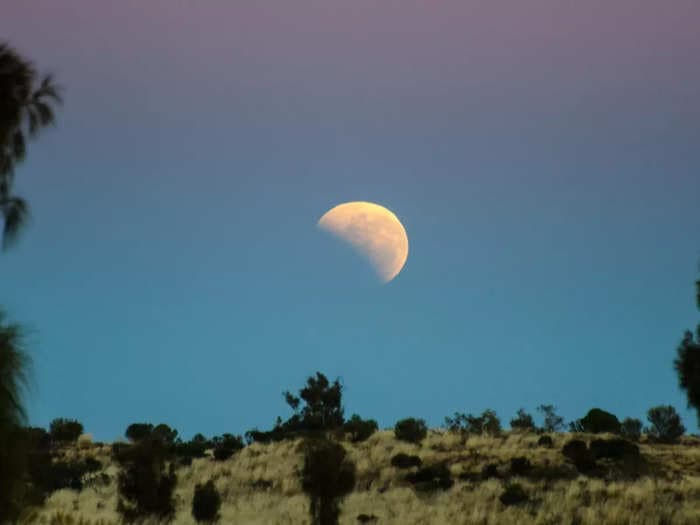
26	106
15	365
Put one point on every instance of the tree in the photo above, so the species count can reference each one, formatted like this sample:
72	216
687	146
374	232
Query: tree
15	365
665	424
26	106
322	409
552	421
687	364
411	430
486	423
597	421
522	421
327	476
360	429
65	430
631	428
206	503
138	431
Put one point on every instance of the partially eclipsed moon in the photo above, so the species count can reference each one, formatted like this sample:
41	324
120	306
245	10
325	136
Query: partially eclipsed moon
374	231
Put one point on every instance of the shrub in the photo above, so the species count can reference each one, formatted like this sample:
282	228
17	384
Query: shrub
552	421
665	424
165	433
545	441
138	431
188	450
206	503
430	478
598	421
402	460
520	466
522	421
322	409
411	430
360	429
486	423
631	429
576	451
65	430
513	494
617	449
327	477
145	484
489	471
226	446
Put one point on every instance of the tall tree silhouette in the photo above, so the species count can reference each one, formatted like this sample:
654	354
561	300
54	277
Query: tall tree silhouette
687	363
14	378
27	104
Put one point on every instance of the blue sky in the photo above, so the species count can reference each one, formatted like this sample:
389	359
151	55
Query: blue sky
544	164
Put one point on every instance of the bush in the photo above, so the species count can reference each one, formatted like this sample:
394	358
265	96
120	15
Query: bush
617	449
145	485
576	451
430	478
360	429
545	441
486	423
520	466
411	430
489	471
206	503
65	430
165	433
665	424
598	421
402	460
513	494
631	429
188	450
226	446
522	421
552	421
327	477
138	431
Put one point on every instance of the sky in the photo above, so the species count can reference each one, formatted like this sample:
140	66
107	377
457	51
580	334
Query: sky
542	155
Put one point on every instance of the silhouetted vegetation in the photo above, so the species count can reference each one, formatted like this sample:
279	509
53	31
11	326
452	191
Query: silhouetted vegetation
577	452
360	429
411	430
596	421
26	106
665	424
513	494
431	478
687	363
522	421
226	446
613	449
206	503
490	470
631	428
327	476
138	431
486	423
552	421
402	460
146	481
520	466
65	430
545	441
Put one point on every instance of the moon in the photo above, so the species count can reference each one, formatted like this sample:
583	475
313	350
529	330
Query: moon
374	231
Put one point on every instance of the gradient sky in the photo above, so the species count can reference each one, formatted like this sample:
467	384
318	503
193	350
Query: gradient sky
542	155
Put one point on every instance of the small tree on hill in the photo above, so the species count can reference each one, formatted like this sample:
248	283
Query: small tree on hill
65	430
138	431
322	408
631	428
665	424
552	421
411	430
206	503
360	429
327	477
687	364
597	421
522	421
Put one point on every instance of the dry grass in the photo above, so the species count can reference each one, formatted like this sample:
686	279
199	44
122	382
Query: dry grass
260	485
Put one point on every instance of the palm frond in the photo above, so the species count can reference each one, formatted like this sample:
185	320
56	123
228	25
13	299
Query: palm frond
19	146
15	211
15	365
48	89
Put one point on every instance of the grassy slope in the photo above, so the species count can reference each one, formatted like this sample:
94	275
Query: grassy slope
668	494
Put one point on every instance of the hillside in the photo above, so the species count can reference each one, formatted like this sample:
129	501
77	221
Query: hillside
260	485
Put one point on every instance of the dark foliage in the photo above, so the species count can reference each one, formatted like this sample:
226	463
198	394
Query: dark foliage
188	450
226	446
665	424
687	366
522	421
431	478
366	518
577	452
520	466
65	430
360	429
631	429
322	409
165	433
597	421
545	441
206	503
617	449
490	470
411	430
138	431
552	421
146	483
327	477
513	494
402	460
486	423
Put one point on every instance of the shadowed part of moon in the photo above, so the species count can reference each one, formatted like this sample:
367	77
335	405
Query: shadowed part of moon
373	230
